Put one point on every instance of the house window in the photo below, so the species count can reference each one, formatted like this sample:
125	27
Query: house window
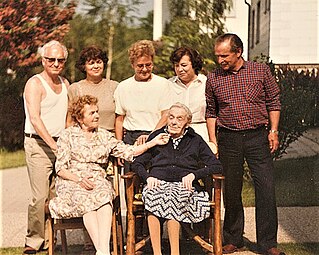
252	42
258	24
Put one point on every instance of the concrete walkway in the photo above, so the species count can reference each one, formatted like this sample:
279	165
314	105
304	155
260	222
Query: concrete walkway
296	224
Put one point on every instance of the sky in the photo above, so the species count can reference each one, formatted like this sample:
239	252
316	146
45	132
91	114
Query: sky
144	8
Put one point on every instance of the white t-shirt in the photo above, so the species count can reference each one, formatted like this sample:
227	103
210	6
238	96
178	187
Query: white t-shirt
142	102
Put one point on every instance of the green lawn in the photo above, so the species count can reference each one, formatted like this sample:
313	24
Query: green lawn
297	183
11	159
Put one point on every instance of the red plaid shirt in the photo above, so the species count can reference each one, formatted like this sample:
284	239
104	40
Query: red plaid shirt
242	101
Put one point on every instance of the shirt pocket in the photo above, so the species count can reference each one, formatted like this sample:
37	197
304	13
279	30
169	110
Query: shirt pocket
254	91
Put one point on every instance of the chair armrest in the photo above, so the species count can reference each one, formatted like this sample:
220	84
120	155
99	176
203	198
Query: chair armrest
129	175
218	177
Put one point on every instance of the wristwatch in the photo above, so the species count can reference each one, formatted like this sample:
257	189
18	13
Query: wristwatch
274	131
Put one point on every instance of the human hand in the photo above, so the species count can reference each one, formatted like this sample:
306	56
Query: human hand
141	139
54	149
120	161
273	141
161	139
87	183
187	181
152	182
214	148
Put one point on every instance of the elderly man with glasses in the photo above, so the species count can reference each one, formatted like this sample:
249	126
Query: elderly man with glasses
46	103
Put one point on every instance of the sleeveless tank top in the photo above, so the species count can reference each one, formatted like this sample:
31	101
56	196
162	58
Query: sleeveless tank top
53	110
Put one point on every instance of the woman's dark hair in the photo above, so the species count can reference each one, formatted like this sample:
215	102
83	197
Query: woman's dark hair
195	58
90	53
77	107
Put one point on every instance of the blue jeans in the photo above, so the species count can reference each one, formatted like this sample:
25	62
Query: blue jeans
252	146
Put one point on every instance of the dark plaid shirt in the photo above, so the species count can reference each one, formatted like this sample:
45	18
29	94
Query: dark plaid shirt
242	101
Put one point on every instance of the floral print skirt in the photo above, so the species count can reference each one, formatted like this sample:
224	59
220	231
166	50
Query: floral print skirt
74	201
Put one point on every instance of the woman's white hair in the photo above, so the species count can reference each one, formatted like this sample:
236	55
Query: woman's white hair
185	108
43	49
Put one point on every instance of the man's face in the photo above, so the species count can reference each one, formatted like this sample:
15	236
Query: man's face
143	67
53	60
228	60
177	122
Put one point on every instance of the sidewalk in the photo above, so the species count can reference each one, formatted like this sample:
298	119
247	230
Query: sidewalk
296	224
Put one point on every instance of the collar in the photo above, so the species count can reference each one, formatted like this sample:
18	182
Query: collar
244	66
188	131
200	78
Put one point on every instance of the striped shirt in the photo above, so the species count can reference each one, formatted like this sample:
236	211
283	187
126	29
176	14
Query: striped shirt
242	100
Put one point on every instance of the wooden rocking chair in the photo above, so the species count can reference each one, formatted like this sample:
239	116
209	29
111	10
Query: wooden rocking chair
135	208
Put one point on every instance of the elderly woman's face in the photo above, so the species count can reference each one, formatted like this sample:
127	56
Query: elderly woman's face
94	68
143	67
177	122
90	120
184	70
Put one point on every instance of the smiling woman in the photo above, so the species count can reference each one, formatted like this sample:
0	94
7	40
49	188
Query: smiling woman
92	63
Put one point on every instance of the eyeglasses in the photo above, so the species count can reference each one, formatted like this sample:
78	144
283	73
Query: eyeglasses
51	61
147	65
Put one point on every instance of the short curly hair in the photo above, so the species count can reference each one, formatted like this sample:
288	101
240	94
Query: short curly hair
141	48
77	107
91	53
194	56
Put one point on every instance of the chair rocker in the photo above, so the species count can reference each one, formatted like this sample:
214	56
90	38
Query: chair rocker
135	209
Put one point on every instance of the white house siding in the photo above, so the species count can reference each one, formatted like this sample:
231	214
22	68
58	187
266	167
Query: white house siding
261	46
237	22
294	32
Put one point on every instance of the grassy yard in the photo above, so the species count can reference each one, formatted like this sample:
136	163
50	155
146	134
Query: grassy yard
11	159
297	183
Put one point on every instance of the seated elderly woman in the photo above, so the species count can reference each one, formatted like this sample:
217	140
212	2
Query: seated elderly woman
82	187
172	192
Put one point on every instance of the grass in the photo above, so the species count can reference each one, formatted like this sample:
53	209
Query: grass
297	183
12	159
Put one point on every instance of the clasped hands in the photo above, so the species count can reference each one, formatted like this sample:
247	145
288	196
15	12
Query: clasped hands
187	181
86	183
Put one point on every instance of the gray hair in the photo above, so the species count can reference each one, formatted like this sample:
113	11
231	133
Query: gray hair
43	49
185	108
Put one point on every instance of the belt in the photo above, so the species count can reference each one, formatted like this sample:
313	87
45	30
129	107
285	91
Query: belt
222	129
39	137
138	131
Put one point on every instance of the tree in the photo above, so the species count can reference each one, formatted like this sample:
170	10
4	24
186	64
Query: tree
27	24
24	26
195	24
112	13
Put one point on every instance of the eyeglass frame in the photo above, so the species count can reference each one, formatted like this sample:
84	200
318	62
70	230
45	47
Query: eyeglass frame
147	66
51	61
